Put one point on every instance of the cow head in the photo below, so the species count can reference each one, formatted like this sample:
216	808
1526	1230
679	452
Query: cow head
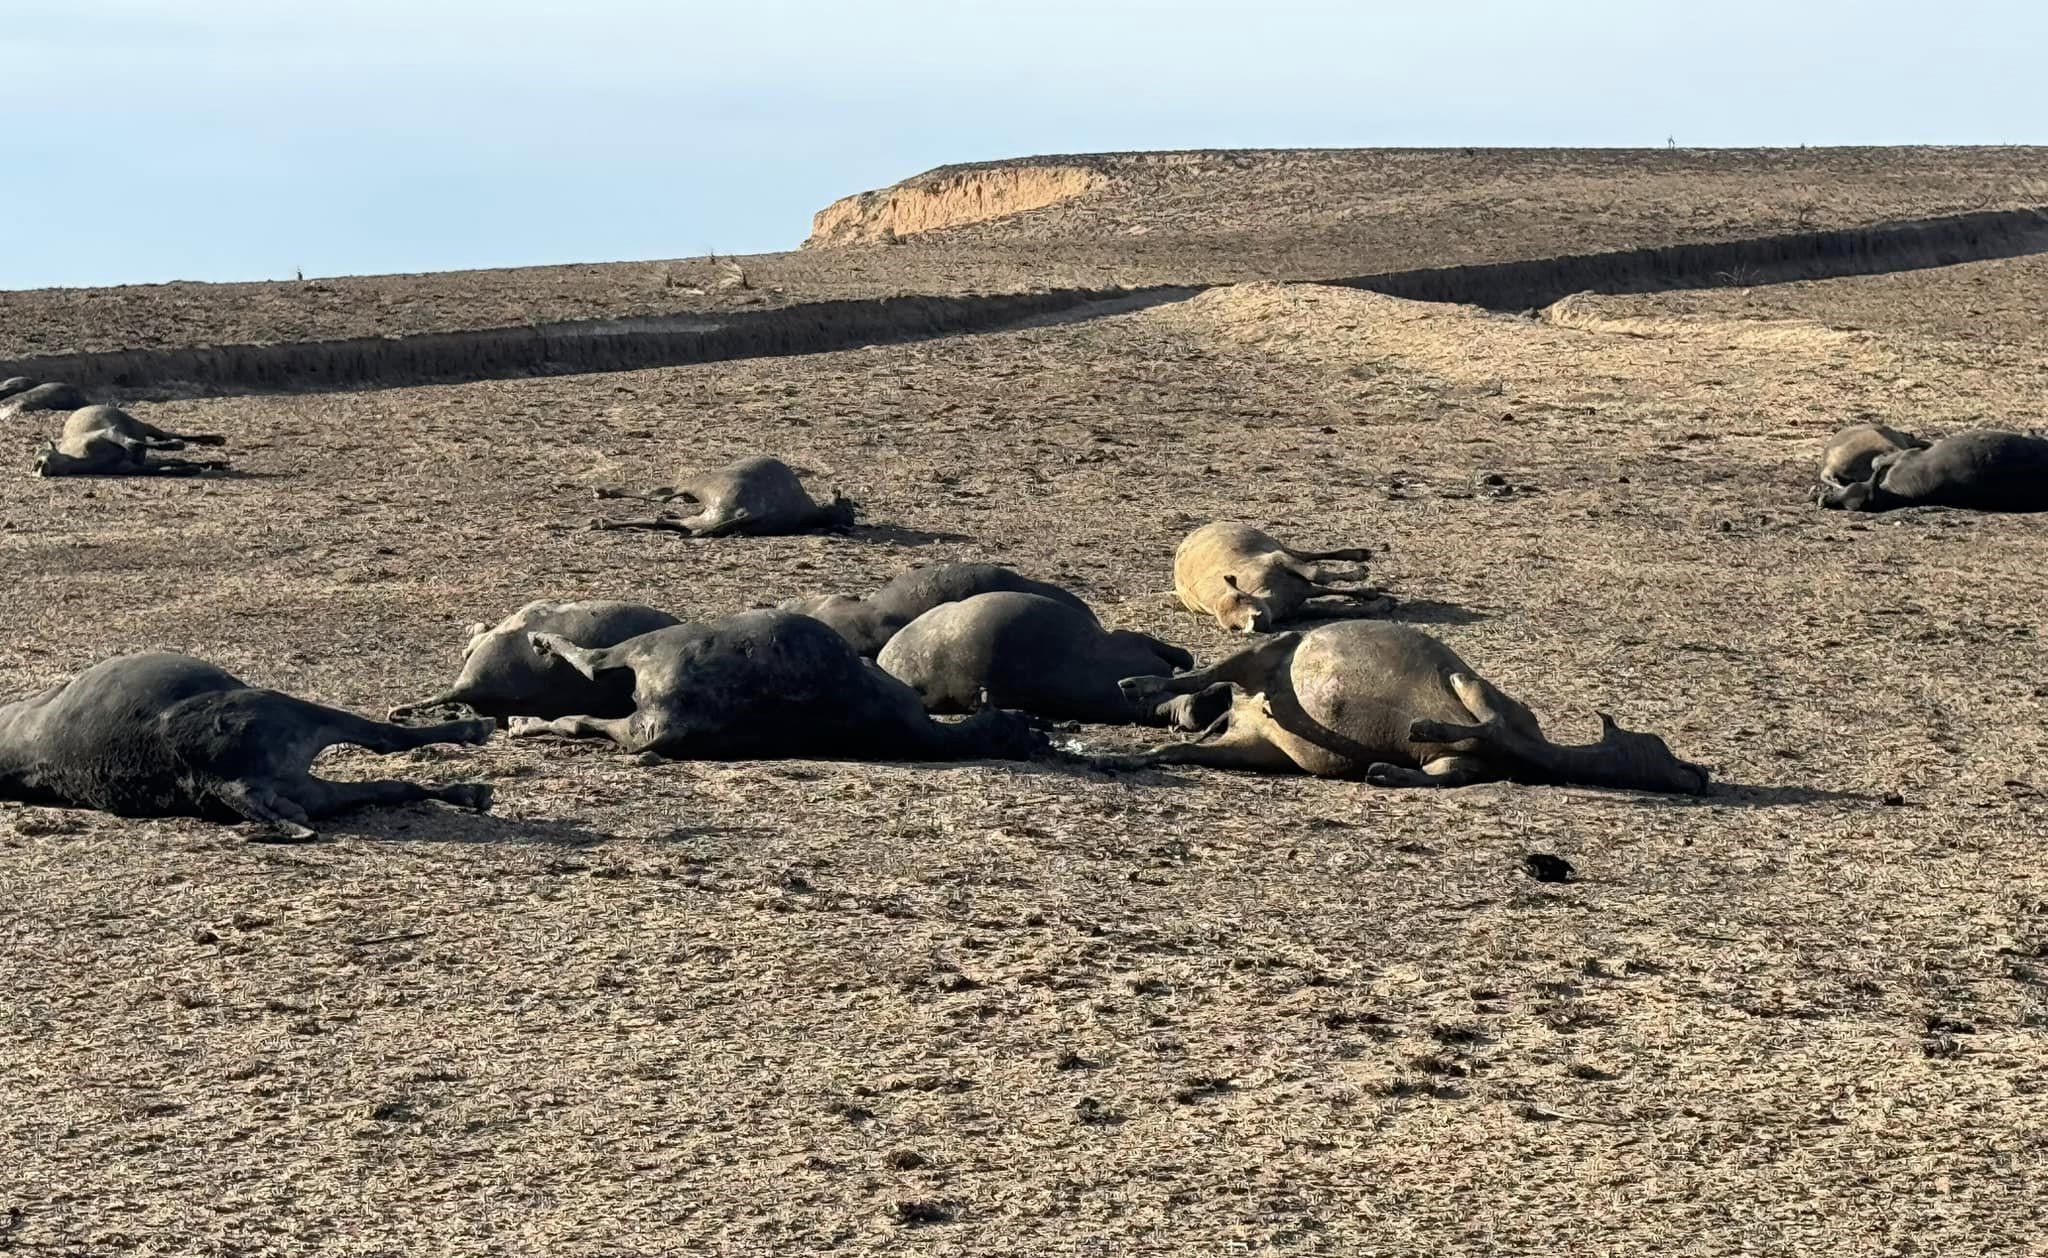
1241	612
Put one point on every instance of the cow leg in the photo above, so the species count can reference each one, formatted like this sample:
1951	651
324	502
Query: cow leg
264	806
1321	573
164	439
1500	725
1444	771
1349	554
1354	605
588	661
1175	657
1862	496
337	727
1234	740
723	524
1356	593
1835	496
319	797
446	698
619	730
1196	711
653	524
1251	669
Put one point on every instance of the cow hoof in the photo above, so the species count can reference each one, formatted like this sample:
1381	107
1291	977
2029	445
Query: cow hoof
1142	688
475	796
284	832
478	731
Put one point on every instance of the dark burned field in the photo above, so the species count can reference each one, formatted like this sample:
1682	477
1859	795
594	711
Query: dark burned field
781	1008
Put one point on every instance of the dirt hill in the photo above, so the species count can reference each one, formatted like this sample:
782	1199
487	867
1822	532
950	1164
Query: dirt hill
1106	221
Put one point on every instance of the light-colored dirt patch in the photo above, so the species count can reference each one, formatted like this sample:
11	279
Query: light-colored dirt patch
938	201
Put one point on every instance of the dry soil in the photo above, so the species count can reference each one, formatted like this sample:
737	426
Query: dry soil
793	1007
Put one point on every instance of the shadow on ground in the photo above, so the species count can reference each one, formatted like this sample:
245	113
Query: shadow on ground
429	824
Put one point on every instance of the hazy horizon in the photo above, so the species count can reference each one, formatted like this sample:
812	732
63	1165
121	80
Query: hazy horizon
222	140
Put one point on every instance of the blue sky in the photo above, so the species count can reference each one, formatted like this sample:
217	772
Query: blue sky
243	139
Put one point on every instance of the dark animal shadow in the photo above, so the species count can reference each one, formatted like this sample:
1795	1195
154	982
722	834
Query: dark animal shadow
1422	611
897	535
687	835
1719	794
196	478
236	473
1060	762
1429	611
1738	795
429	823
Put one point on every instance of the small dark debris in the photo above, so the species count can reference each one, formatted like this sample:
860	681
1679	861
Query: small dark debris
1941	1046
1938	1025
1447	1034
1071	1060
1094	1113
1544	867
1200	1088
250	921
1438	1064
1893	799
917	1213
908	1160
201	935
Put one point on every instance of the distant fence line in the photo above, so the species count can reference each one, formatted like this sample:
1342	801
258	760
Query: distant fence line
598	345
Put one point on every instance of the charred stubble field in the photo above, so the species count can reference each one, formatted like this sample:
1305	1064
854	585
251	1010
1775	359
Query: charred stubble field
785	1007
